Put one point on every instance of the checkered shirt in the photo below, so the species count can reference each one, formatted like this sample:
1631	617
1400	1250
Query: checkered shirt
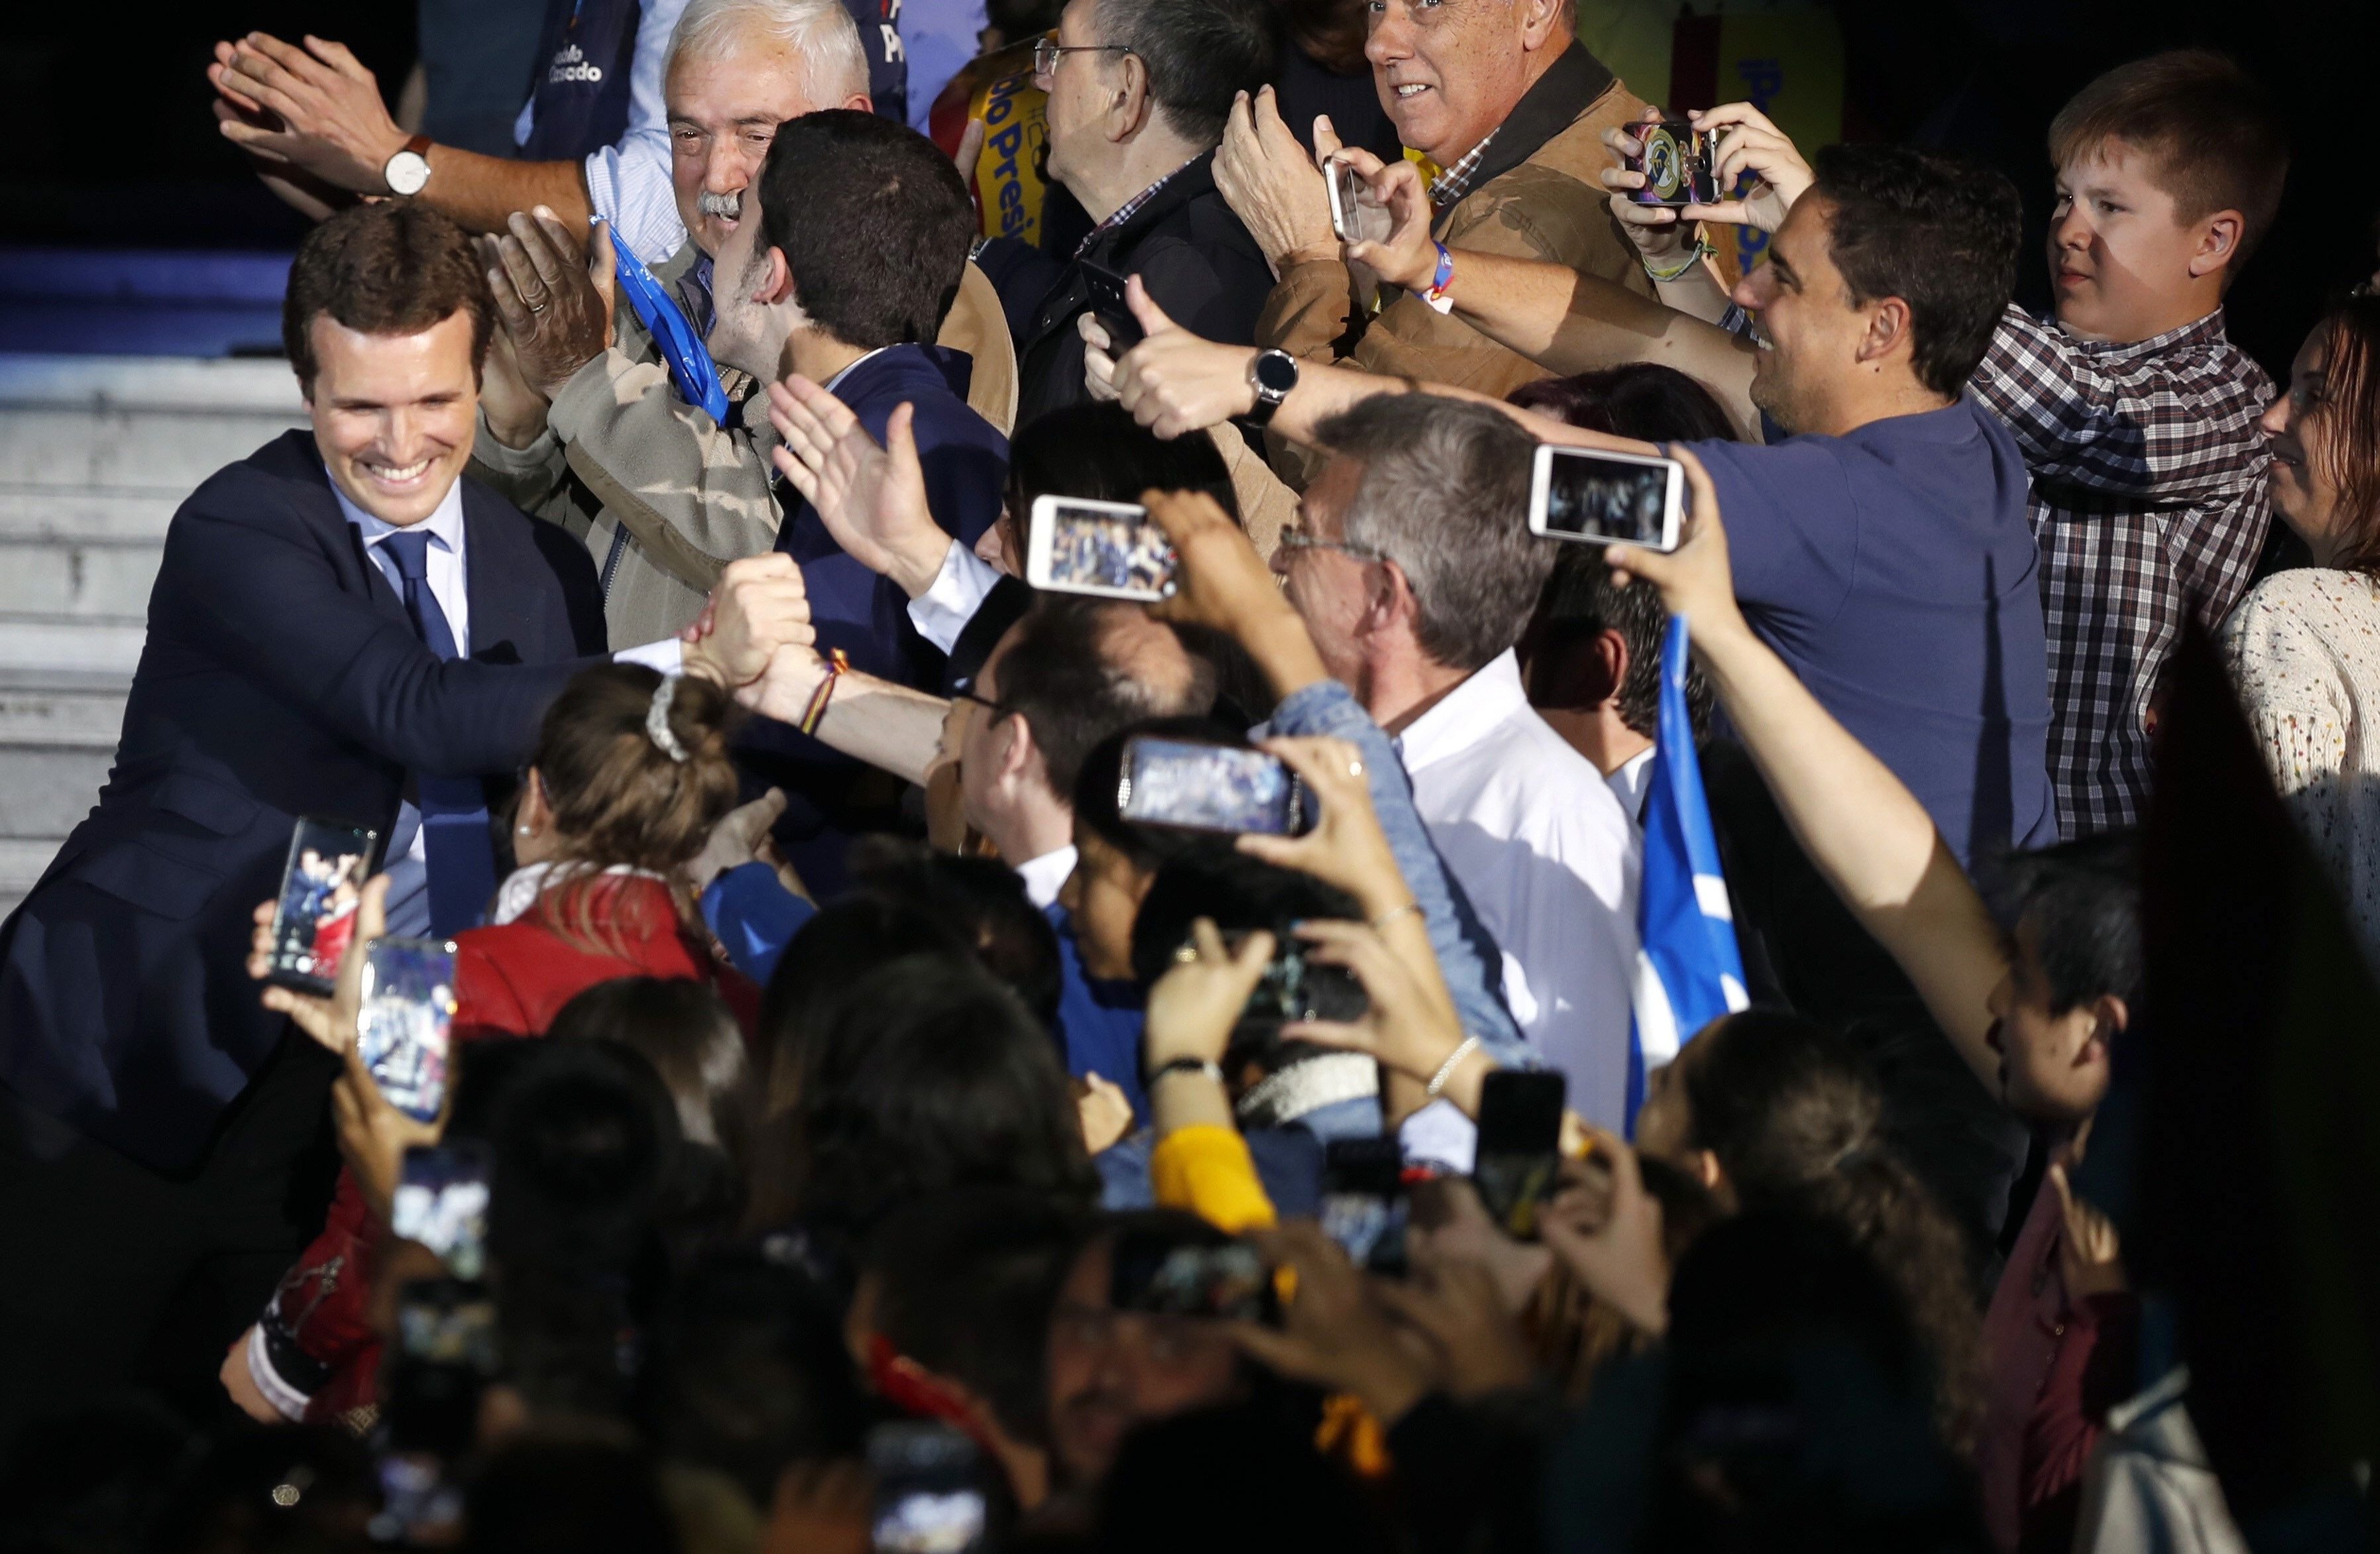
1452	183
2148	499
1125	211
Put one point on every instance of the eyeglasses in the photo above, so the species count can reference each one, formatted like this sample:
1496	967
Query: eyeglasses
1296	540
983	701
1046	52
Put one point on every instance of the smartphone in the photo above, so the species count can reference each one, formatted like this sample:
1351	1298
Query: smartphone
1153	1272
1110	306
404	1032
1350	220
314	919
930	1490
445	1356
1197	786
1680	164
1364	1205
441	1202
1606	499
1109	549
1295	988
1519	1145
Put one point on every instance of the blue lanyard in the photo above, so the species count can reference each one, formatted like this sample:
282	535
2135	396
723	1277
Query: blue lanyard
690	365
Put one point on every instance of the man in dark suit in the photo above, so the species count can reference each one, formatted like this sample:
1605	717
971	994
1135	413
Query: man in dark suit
1139	90
342	628
843	278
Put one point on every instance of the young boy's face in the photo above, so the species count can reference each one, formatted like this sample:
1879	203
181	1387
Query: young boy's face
2123	265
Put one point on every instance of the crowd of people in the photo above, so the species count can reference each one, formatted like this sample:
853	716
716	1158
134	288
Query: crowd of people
854	1117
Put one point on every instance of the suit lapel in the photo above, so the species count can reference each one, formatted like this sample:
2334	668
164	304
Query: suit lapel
318	507
494	574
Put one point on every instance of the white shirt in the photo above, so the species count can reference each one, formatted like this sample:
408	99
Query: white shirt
1550	861
628	183
448	570
1046	875
957	592
1632	782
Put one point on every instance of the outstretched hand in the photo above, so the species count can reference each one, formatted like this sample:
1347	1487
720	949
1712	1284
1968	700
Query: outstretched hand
556	301
1221	583
315	108
1174	383
871	499
1346	846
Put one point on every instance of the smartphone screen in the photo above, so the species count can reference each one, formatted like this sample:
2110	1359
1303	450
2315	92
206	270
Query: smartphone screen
1519	1145
1109	549
1364	1206
1606	499
1676	162
1111	307
441	1202
445	1354
1168	1278
403	1030
314	919
1207	788
930	1494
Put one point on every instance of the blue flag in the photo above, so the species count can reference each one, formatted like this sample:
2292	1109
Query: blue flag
1688	972
673	333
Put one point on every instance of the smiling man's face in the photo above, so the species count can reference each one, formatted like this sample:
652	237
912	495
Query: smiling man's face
1449	71
724	112
394	414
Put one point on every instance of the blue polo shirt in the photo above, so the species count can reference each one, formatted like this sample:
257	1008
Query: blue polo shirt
1894	569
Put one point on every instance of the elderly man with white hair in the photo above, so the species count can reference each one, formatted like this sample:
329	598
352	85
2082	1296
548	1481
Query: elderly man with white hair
603	411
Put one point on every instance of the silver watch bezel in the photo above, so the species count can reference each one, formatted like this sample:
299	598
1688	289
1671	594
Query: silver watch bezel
408	160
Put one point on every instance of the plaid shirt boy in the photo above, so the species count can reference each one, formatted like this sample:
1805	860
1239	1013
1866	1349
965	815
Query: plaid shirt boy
2148	500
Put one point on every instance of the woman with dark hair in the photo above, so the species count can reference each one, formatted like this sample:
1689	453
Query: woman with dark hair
1770	1111
2304	646
1641	400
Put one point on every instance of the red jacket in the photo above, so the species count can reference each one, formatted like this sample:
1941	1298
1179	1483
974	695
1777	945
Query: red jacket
315	1349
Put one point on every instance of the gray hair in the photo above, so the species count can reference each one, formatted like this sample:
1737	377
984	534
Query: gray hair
1445	495
819	32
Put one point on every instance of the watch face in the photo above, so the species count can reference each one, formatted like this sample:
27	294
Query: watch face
1276	373
407	173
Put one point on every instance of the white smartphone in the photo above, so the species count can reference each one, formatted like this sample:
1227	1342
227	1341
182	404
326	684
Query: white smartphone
1353	218
1606	499
1110	550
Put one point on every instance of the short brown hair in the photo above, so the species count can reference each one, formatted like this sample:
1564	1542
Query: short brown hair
2217	141
393	268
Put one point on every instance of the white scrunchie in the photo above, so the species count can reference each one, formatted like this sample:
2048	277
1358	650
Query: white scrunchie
657	723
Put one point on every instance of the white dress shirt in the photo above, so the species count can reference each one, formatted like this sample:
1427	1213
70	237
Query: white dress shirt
448	567
1632	782
1550	861
1046	875
957	592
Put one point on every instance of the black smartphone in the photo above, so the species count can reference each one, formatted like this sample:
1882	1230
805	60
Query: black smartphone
1165	1276
445	1356
1519	1145
930	1490
1198	786
1109	306
314	919
441	1202
1680	164
1364	1205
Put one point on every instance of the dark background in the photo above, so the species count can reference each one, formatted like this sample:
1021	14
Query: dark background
112	145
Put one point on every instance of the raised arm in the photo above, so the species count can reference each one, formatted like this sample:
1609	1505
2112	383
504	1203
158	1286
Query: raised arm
1868	833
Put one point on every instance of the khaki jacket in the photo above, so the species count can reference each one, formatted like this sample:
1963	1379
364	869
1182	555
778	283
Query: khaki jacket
1552	206
662	495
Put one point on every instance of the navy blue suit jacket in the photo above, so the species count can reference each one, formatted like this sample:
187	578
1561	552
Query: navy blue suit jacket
966	462
281	678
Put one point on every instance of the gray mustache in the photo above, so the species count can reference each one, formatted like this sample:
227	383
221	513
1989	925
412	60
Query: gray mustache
727	207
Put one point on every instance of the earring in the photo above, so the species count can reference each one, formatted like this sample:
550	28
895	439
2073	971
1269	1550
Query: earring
523	830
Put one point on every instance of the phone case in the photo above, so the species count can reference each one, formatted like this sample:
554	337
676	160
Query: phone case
1104	549
403	1030
314	917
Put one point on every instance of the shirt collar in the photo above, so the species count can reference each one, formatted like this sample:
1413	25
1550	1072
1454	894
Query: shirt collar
445	523
1128	210
837	382
1464	714
1453	181
1632	779
2207	330
1046	875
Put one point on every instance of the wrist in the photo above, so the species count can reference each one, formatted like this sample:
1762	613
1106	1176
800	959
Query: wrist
916	568
1307	253
1276	638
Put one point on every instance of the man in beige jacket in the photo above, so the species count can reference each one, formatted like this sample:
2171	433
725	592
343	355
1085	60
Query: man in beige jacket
1511	109
581	424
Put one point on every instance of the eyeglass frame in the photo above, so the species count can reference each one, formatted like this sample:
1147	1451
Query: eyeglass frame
1297	539
1056	51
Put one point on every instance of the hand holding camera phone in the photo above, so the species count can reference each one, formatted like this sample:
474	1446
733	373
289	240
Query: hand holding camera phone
930	1490
1599	498
1197	786
1519	1145
403	1030
314	917
1107	549
1680	164
1354	216
441	1202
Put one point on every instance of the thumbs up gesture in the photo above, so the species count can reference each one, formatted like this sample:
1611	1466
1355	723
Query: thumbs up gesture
1173	382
